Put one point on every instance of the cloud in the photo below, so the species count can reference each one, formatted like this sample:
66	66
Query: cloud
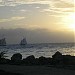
18	2
23	10
57	6
38	13
12	19
69	1
17	18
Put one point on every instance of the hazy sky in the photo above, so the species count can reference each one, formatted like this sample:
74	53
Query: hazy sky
38	20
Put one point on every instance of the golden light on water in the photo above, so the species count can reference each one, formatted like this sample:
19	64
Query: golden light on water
69	21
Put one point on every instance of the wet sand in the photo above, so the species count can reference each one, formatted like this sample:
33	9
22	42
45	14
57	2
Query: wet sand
36	70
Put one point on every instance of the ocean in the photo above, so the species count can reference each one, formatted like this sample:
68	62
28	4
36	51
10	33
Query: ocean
43	49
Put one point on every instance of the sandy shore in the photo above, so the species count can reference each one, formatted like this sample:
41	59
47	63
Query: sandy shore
36	70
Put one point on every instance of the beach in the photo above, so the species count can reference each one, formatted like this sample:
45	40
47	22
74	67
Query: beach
36	70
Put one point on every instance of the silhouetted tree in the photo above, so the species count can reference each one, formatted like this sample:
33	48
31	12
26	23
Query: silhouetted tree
2	54
3	59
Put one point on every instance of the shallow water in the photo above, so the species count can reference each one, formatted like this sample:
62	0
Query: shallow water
38	50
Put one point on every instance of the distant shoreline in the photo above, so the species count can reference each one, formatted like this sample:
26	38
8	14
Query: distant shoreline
44	43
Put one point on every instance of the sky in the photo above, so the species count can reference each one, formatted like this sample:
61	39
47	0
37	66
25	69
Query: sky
40	21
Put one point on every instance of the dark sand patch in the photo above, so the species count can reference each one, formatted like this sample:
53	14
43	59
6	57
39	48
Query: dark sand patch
36	70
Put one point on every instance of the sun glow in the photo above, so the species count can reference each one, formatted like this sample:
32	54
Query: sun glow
69	21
